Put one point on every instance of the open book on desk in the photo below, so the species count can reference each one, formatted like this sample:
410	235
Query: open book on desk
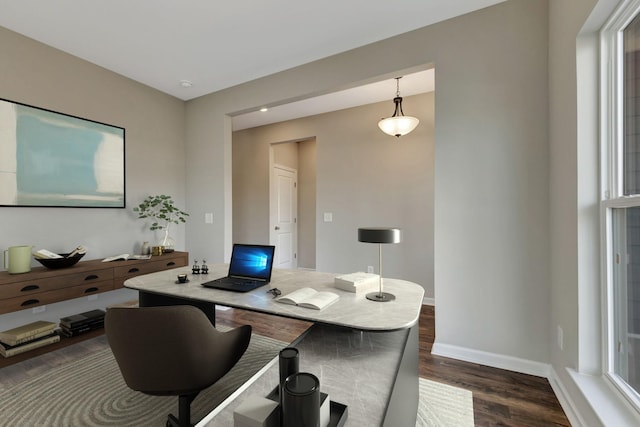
309	298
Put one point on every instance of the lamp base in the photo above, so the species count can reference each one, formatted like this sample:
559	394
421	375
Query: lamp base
380	296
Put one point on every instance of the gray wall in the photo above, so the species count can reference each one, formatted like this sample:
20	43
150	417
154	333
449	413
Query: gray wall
307	185
284	154
491	170
363	177
38	75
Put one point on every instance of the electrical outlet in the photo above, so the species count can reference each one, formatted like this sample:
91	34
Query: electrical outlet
560	337
370	269
328	217
37	310
208	218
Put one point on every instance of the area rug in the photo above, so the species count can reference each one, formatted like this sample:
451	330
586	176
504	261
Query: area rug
90	391
442	405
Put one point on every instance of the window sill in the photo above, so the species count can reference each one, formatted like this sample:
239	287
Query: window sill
609	406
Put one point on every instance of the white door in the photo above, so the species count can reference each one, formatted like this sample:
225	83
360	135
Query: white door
284	212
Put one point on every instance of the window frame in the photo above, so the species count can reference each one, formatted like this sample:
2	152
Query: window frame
612	197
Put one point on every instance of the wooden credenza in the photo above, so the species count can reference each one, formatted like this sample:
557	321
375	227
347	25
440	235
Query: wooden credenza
43	286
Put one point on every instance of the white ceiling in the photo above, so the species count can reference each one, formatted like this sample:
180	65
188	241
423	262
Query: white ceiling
214	44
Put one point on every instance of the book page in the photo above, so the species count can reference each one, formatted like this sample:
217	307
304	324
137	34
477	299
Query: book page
320	300
122	257
297	296
140	256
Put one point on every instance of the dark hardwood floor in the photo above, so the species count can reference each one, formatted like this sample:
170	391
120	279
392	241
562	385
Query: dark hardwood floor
500	398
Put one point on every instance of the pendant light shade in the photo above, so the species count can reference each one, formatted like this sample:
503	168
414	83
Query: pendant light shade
398	124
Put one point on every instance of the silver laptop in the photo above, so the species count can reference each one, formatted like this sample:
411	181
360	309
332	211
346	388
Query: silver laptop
250	268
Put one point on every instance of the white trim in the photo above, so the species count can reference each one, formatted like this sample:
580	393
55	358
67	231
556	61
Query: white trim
429	301
606	390
568	404
610	409
495	360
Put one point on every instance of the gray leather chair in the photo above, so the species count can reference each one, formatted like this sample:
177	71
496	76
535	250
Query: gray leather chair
172	350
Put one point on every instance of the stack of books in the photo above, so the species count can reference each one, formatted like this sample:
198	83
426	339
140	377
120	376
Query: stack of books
357	282
80	323
28	337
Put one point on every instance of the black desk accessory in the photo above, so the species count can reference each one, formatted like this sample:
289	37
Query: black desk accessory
196	268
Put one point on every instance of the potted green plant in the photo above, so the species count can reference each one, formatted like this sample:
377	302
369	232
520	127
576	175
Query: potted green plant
162	209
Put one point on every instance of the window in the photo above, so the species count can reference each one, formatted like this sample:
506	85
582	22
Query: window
621	197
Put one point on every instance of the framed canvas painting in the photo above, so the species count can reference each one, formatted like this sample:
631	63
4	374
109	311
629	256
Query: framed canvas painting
57	160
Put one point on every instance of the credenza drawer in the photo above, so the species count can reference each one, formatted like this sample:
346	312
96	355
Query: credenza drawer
126	272
36	286
41	298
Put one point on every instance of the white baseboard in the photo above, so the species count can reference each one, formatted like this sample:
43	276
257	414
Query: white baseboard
491	359
565	400
428	301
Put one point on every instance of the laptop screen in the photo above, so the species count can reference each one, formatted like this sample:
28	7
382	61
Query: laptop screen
252	261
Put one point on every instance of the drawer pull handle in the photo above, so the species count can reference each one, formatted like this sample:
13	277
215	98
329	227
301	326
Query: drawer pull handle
134	270
89	290
170	264
29	288
91	277
30	302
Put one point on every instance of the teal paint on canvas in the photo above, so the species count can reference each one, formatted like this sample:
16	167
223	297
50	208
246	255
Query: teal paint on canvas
47	153
66	161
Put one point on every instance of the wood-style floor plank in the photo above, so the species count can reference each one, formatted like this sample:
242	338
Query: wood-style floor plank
500	397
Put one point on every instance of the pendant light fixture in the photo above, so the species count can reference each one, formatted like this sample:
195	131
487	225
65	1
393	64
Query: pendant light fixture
398	124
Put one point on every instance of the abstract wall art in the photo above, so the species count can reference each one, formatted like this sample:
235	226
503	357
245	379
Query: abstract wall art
58	160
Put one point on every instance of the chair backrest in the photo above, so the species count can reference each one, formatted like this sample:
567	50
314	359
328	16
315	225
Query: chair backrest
171	350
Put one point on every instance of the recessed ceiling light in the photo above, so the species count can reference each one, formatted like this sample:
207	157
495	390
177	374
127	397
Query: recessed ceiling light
264	109
186	83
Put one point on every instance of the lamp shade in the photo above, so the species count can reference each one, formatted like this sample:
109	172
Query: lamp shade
398	125
379	235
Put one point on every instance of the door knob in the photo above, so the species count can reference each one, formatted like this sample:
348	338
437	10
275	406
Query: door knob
277	228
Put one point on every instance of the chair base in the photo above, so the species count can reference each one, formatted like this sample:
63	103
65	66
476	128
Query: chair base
172	421
184	412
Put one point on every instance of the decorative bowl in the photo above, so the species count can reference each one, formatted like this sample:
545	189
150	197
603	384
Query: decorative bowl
54	263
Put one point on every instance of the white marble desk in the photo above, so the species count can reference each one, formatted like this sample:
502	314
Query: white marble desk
343	364
357	369
351	310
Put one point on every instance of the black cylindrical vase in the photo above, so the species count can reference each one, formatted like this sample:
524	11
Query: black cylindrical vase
301	401
289	365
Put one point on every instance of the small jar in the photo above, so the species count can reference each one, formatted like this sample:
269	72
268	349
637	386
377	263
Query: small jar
146	249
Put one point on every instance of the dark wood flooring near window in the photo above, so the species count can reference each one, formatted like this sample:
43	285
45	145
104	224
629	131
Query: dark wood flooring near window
500	398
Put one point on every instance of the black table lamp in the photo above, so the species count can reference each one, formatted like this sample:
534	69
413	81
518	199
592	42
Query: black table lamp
379	235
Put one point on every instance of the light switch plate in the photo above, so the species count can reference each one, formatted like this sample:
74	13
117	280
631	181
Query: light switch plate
328	217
